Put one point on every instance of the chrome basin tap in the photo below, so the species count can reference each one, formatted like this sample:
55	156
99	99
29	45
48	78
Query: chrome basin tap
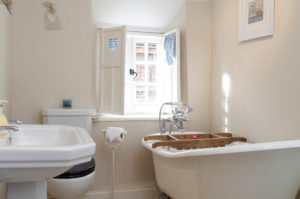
9	128
178	116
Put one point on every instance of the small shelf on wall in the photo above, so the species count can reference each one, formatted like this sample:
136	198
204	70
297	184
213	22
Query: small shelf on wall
7	3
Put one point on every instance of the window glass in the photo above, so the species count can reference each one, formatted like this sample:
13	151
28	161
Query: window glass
140	95
152	51
140	70
152	95
152	73
140	51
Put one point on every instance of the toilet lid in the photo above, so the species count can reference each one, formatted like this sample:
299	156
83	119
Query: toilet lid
79	170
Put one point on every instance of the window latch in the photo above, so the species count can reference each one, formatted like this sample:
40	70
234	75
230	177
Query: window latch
133	73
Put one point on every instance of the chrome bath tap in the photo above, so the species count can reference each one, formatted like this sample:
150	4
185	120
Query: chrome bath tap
178	116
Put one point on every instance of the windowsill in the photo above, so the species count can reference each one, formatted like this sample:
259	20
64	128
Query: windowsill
136	117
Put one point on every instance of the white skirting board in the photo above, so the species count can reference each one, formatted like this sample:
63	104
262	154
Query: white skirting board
134	193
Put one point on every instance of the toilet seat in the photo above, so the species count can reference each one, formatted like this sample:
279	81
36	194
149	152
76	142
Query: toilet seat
79	170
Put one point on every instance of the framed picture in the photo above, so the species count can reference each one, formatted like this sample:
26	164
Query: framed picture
256	19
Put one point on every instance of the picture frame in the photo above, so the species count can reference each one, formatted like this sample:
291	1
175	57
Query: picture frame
256	19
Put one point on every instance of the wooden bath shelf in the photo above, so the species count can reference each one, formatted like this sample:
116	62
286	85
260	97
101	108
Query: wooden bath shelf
194	141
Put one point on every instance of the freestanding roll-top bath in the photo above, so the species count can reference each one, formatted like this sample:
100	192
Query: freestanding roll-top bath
237	171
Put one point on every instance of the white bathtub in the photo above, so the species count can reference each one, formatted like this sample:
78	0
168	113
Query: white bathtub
248	171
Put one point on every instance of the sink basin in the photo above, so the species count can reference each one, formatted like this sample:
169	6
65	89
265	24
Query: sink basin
38	152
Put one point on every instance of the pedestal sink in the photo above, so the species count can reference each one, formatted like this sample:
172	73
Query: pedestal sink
38	152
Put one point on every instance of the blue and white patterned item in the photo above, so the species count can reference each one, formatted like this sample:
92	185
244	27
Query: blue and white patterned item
170	48
67	103
113	44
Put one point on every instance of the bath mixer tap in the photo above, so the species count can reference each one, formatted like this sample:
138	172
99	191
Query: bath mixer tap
164	122
177	119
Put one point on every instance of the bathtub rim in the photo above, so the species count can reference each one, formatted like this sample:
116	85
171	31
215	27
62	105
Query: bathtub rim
251	147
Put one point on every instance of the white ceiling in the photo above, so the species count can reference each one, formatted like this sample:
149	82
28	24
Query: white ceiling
141	13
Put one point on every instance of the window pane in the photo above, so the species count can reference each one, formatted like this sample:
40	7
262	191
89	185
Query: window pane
140	70
152	48
140	51
152	73
140	95
152	95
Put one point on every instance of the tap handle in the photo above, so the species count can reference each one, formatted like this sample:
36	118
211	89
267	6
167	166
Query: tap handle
174	111
180	113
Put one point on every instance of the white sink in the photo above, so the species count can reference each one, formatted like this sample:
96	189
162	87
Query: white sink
38	152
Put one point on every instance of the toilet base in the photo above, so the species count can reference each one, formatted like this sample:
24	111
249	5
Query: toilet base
69	188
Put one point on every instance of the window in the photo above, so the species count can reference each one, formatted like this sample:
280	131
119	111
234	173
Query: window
150	85
138	76
142	88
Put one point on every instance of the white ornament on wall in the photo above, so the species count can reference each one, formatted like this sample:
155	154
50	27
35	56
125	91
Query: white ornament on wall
51	17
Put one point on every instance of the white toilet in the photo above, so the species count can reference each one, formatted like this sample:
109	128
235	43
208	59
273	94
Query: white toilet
76	181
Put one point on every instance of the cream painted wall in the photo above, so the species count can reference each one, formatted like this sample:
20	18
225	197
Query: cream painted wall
198	33
5	56
141	13
51	65
264	99
194	22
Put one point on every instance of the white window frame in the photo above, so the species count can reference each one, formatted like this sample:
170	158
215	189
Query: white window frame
132	40
162	70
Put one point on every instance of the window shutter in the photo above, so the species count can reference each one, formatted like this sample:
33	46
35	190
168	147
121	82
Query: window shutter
112	75
172	65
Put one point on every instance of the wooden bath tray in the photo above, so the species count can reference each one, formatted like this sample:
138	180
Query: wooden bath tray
187	141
